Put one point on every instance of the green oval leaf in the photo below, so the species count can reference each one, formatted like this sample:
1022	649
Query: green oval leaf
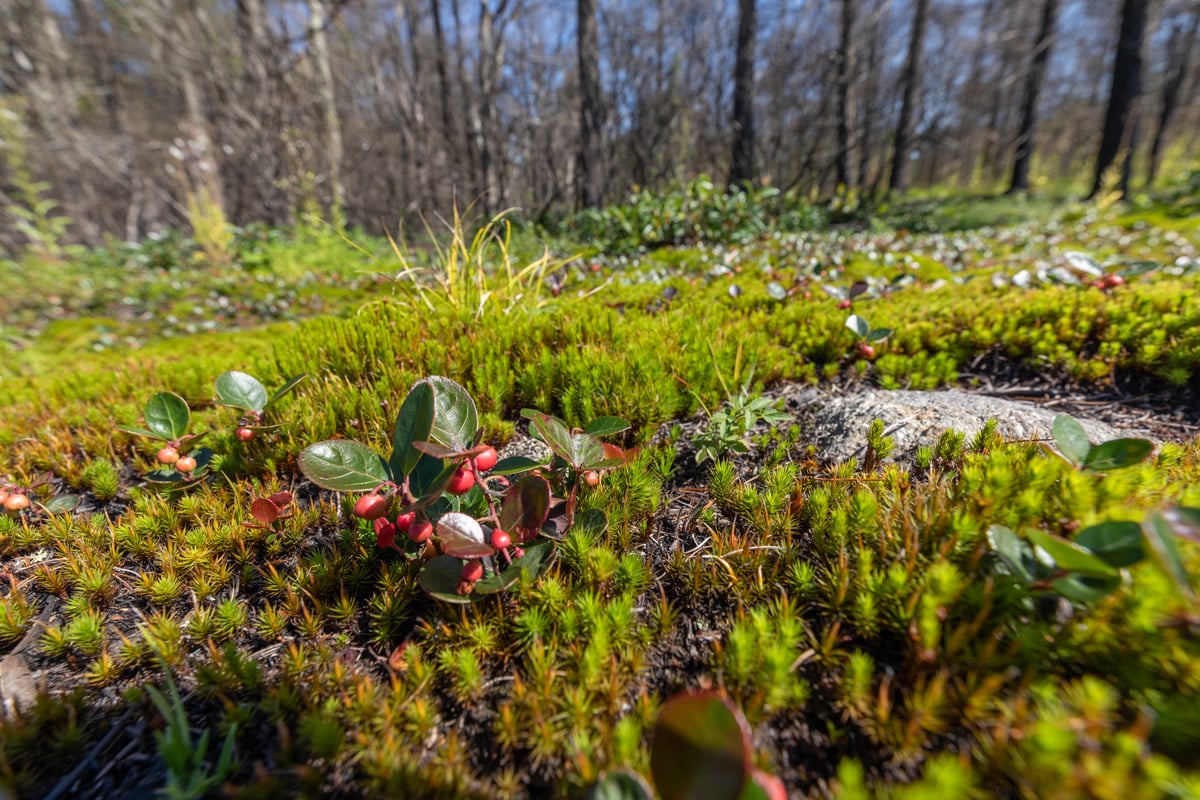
592	521
1070	556
606	426
167	415
414	423
455	418
1119	544
1117	454
700	750
239	390
343	466
440	578
859	325
879	334
61	503
1014	552
514	464
1071	438
1085	588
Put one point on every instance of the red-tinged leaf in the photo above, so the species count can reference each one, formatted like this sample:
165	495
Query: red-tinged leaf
264	511
281	499
396	661
700	749
525	507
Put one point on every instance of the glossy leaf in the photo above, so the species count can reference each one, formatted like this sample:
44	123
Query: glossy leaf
291	384
525	507
414	423
1070	556
462	537
857	288
859	325
1071	438
620	784
281	499
61	503
1119	544
1117	454
776	291
167	415
440	578
1160	540
429	480
701	749
515	464
455	418
239	390
533	563
1014	551
264	511
343	466
1084	588
606	426
879	334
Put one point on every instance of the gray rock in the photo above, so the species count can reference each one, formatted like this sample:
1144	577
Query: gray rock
837	423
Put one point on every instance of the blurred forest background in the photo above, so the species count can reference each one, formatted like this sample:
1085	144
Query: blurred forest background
119	118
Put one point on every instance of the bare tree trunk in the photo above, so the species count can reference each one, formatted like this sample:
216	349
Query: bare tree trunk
1179	57
1033	85
449	133
318	21
589	191
741	169
845	77
911	80
1126	86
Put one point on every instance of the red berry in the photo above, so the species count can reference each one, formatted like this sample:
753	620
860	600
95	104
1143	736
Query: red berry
16	502
404	522
185	464
487	459
591	478
866	350
462	481
385	533
420	531
168	455
1115	280
845	304
370	506
245	434
500	539
472	570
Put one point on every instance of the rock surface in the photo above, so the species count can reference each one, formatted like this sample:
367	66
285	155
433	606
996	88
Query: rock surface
837	423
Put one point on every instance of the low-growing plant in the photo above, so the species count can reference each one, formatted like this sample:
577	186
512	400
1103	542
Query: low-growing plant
247	394
868	337
167	417
728	428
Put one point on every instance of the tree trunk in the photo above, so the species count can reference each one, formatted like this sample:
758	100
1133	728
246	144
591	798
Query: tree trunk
589	191
1179	57
1033	86
741	169
318	21
845	77
1126	86
449	134
911	80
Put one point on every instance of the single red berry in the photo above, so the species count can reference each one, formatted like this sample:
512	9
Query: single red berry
1116	280
845	304
487	459
185	464
472	570
245	434
404	522
591	478
462	481
866	350
370	506
16	502
500	539
168	455
385	533
420	531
